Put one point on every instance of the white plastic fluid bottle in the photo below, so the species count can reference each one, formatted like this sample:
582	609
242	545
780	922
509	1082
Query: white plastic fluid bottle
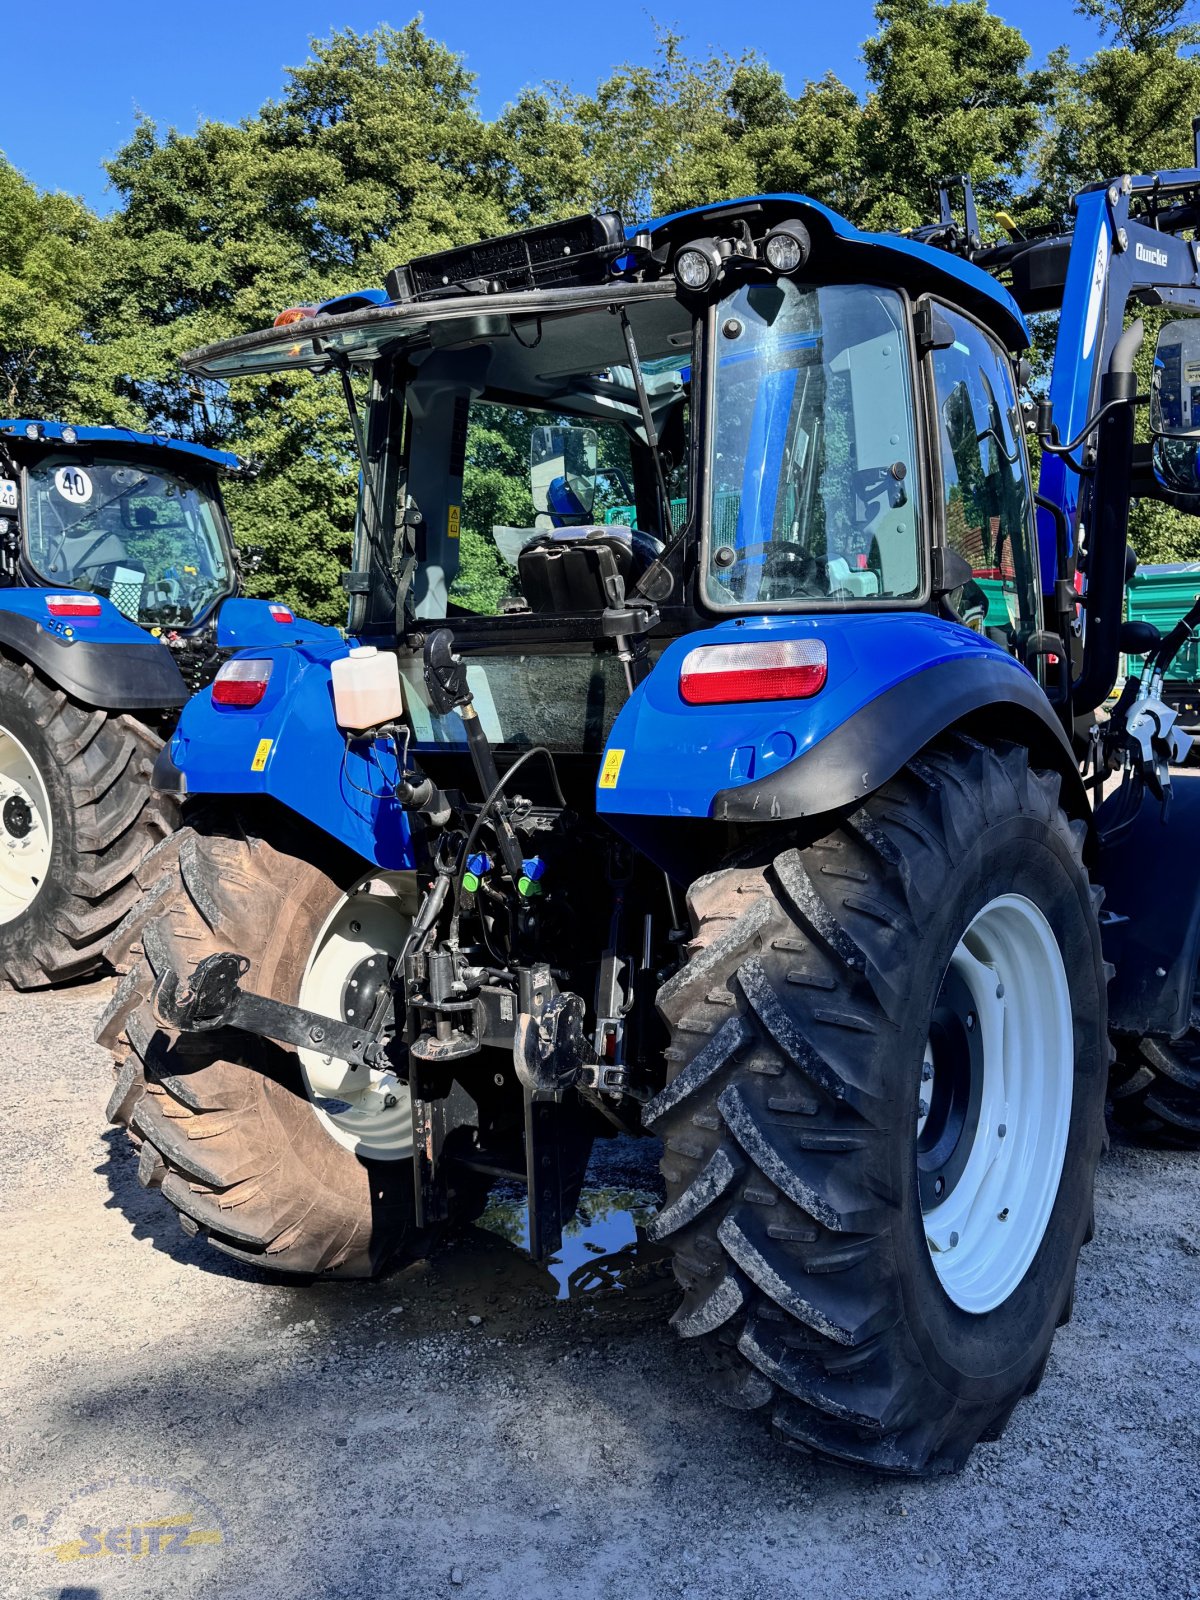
366	688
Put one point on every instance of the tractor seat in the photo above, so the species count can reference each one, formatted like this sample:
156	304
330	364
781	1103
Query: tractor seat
566	569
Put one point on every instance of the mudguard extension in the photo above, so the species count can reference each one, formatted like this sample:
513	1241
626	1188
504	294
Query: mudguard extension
1151	882
103	660
895	681
244	624
290	748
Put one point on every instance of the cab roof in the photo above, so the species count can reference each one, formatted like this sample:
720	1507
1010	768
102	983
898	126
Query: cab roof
357	325
16	429
921	268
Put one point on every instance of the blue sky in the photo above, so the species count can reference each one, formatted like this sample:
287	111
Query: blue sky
79	71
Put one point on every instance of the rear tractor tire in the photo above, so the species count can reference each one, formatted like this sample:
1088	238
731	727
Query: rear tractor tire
1155	1088
77	818
884	1111
286	1159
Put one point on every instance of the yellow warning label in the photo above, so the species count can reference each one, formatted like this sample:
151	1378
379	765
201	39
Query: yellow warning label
261	754
452	518
611	770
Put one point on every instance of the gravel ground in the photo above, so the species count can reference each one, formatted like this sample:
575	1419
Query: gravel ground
174	1425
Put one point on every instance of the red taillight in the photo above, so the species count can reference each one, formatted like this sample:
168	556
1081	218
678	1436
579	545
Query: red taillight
73	605
280	613
776	669
241	683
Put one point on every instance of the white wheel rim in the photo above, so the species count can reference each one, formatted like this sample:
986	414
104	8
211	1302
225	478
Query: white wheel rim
365	1109
26	828
994	1110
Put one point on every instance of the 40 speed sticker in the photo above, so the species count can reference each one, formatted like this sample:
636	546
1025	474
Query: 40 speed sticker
132	1517
74	484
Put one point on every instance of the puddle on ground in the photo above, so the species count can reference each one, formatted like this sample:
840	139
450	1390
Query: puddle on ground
599	1243
606	1267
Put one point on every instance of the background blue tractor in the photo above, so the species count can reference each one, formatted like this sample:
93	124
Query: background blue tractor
119	596
755	827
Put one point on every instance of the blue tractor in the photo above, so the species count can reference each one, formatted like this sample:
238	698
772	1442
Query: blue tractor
755	827
119	597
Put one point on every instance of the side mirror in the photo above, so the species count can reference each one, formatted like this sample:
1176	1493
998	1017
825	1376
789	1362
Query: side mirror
1175	383
562	472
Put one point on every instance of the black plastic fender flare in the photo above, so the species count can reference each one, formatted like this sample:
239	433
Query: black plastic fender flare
1151	881
870	747
113	676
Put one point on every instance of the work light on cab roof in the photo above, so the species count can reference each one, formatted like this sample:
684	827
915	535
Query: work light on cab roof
294	314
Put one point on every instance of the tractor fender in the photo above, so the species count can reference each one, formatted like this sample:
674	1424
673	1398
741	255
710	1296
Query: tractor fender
244	624
102	660
289	749
1151	881
895	681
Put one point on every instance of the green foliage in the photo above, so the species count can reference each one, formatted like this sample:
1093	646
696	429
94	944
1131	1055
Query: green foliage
45	256
375	150
495	492
1129	107
951	94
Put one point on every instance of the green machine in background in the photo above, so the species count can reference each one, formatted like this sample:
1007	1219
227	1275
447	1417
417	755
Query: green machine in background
1161	594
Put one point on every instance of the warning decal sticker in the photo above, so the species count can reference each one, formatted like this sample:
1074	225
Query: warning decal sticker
611	770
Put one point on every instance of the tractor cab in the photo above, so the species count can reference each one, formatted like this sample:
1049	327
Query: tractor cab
750	411
134	518
119	597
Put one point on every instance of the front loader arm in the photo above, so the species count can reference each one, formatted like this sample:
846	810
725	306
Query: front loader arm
1113	259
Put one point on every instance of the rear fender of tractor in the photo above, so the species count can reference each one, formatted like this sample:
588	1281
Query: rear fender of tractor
895	682
1151	880
289	749
245	624
103	660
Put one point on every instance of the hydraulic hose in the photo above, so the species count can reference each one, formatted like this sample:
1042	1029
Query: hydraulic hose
1179	635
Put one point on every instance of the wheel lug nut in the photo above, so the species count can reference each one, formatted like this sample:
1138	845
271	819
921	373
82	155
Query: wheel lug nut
1002	1130
923	1108
926	1072
953	1240
970	1020
939	1185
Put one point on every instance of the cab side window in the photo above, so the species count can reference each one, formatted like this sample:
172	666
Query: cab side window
987	495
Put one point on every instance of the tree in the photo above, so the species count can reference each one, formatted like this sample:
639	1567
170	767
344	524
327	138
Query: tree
46	260
374	153
808	144
649	139
951	94
1129	107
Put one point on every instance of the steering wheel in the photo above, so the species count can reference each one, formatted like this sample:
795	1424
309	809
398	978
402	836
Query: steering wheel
806	574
